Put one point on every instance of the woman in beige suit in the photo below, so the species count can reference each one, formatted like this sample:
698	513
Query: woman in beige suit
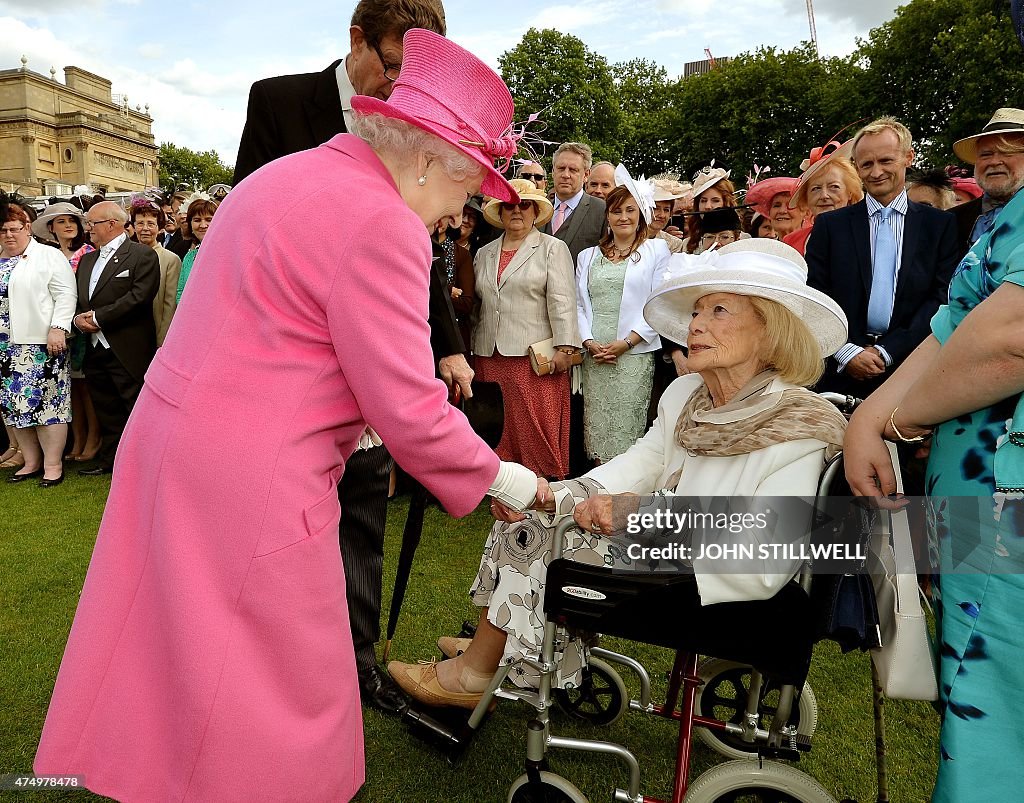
149	220
527	289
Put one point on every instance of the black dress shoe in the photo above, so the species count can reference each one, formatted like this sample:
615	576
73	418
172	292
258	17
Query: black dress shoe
22	477
95	472
378	690
45	483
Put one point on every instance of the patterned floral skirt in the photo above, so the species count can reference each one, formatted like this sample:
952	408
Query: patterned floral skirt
536	430
34	387
512	577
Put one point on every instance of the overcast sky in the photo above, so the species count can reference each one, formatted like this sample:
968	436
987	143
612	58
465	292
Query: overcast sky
193	62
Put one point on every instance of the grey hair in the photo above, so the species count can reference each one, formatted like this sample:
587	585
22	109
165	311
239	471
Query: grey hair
401	141
580	149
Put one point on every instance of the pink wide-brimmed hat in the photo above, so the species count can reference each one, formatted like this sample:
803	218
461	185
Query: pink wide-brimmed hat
448	92
760	195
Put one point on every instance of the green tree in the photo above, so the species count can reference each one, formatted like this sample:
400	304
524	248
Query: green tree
196	170
645	94
767	108
942	67
569	86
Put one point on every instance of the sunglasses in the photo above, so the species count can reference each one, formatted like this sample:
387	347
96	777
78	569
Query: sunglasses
532	176
524	205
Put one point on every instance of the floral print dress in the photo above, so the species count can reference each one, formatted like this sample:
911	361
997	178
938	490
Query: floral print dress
976	530
34	387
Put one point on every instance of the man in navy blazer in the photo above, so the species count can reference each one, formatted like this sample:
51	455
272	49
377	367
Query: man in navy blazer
886	261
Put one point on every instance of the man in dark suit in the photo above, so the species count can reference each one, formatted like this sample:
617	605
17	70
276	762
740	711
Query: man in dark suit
579	219
885	260
290	113
116	287
579	222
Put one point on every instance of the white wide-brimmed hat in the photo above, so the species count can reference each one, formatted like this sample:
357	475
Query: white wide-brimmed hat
1004	121
39	227
756	267
527	191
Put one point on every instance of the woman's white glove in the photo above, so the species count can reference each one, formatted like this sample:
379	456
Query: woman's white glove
515	486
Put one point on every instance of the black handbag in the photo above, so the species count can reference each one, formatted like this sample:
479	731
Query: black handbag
845	607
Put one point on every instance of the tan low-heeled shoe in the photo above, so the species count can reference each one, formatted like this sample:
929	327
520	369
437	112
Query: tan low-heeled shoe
420	682
12	458
453	647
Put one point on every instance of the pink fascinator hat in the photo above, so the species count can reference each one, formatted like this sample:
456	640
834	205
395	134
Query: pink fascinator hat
448	92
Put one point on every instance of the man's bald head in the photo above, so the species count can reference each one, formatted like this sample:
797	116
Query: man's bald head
601	180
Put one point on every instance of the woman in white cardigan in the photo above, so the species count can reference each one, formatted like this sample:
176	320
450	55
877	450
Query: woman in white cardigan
742	424
37	302
613	281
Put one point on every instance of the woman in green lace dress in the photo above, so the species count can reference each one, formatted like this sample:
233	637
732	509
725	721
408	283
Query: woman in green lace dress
613	281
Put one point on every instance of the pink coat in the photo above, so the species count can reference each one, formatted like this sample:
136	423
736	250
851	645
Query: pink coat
211	658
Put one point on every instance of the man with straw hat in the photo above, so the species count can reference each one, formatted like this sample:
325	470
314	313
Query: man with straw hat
997	154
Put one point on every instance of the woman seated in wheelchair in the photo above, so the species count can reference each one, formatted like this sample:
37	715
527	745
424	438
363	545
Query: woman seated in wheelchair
742	423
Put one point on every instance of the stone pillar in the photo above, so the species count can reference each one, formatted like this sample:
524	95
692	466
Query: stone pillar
84	173
30	161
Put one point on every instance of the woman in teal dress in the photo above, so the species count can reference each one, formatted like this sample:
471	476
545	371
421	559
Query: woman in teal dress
964	385
613	281
197	222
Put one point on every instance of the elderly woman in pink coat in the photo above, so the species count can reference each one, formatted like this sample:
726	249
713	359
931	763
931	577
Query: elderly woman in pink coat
210	658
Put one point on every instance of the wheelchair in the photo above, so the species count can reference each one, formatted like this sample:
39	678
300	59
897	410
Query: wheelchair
748	701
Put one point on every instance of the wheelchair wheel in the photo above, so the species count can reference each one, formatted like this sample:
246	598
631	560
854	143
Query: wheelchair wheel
722	695
600	699
551	789
756	782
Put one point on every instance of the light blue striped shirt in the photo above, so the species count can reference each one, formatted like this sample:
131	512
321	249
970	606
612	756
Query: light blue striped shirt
899	207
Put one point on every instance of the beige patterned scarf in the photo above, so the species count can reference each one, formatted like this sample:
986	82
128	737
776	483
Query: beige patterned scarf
755	419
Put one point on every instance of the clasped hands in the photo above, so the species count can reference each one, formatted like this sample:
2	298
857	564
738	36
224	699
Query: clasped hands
866	365
598	514
606	352
86	322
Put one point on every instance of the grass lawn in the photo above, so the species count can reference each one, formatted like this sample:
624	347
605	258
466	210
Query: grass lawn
46	538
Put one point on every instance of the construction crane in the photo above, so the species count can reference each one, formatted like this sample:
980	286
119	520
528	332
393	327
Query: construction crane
711	59
814	29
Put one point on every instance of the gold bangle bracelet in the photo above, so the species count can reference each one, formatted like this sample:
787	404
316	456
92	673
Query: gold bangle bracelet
892	423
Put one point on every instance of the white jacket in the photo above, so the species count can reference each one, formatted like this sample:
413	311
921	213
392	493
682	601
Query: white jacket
784	469
641	277
42	294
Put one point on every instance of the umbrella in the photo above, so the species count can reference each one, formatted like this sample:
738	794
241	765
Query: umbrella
486	414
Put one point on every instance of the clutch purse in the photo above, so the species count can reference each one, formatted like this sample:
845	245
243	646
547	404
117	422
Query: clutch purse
542	357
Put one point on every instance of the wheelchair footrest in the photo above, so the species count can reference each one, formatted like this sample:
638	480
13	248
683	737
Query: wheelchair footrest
801	743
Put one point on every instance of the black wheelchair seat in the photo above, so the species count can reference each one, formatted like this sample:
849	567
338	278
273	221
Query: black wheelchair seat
775	635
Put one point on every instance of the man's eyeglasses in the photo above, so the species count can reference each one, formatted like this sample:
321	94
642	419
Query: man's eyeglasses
524	205
12	229
391	71
532	176
93	223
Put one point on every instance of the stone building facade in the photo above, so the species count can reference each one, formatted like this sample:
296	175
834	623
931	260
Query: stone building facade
56	136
